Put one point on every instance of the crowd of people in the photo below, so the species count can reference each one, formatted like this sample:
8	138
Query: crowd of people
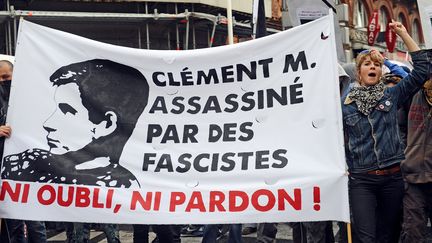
387	120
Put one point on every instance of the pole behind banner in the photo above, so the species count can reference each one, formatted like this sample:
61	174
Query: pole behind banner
254	18
349	235
230	22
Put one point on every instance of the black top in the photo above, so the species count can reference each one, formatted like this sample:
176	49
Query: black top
37	165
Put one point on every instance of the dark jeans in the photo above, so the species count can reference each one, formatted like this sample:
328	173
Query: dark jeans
16	230
164	233
211	233
77	232
417	201
319	232
310	232
342	235
36	231
80	232
4	233
376	203
298	232
266	232
111	232
176	231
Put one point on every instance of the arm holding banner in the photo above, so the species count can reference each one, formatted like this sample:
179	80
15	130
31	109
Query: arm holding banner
5	131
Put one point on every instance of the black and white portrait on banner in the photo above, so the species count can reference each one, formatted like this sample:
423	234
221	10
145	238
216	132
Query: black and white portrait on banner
95	115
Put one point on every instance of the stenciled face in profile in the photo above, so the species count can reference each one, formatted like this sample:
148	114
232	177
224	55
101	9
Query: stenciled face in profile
69	127
370	72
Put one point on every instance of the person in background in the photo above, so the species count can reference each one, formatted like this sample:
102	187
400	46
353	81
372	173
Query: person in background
36	232
5	78
417	167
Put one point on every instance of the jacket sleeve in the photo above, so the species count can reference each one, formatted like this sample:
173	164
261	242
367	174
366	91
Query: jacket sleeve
409	85
395	69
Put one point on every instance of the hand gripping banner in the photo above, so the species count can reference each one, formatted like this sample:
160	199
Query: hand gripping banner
249	132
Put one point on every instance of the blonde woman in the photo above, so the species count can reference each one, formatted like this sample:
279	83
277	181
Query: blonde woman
373	147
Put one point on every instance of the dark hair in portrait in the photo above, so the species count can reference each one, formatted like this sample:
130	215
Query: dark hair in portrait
107	86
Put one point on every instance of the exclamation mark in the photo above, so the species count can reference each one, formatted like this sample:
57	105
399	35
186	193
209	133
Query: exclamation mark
317	198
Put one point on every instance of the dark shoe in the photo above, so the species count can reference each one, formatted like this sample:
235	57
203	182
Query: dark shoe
193	230
198	232
248	230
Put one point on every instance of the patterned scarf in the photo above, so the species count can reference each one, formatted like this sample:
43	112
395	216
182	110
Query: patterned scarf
367	97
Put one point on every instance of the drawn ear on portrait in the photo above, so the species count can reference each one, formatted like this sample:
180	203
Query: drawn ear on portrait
107	126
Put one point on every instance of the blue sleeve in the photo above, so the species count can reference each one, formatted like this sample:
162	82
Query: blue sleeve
395	69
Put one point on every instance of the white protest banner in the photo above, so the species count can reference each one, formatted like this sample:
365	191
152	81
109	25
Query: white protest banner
249	132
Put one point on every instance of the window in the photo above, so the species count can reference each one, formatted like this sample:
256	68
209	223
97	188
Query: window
416	31
361	18
383	19
402	19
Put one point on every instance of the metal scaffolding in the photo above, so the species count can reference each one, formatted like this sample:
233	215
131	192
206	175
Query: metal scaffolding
10	17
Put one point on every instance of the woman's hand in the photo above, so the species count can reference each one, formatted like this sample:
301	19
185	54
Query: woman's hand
398	28
376	52
403	33
5	131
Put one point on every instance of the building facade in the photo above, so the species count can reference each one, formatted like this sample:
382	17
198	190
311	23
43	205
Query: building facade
404	11
354	17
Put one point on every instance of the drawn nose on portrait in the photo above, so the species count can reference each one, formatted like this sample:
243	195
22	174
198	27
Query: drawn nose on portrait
49	129
48	124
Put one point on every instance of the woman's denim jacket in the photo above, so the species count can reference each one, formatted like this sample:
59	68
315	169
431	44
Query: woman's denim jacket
372	142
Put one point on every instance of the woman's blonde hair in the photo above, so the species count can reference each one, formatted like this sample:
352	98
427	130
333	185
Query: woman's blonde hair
374	55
